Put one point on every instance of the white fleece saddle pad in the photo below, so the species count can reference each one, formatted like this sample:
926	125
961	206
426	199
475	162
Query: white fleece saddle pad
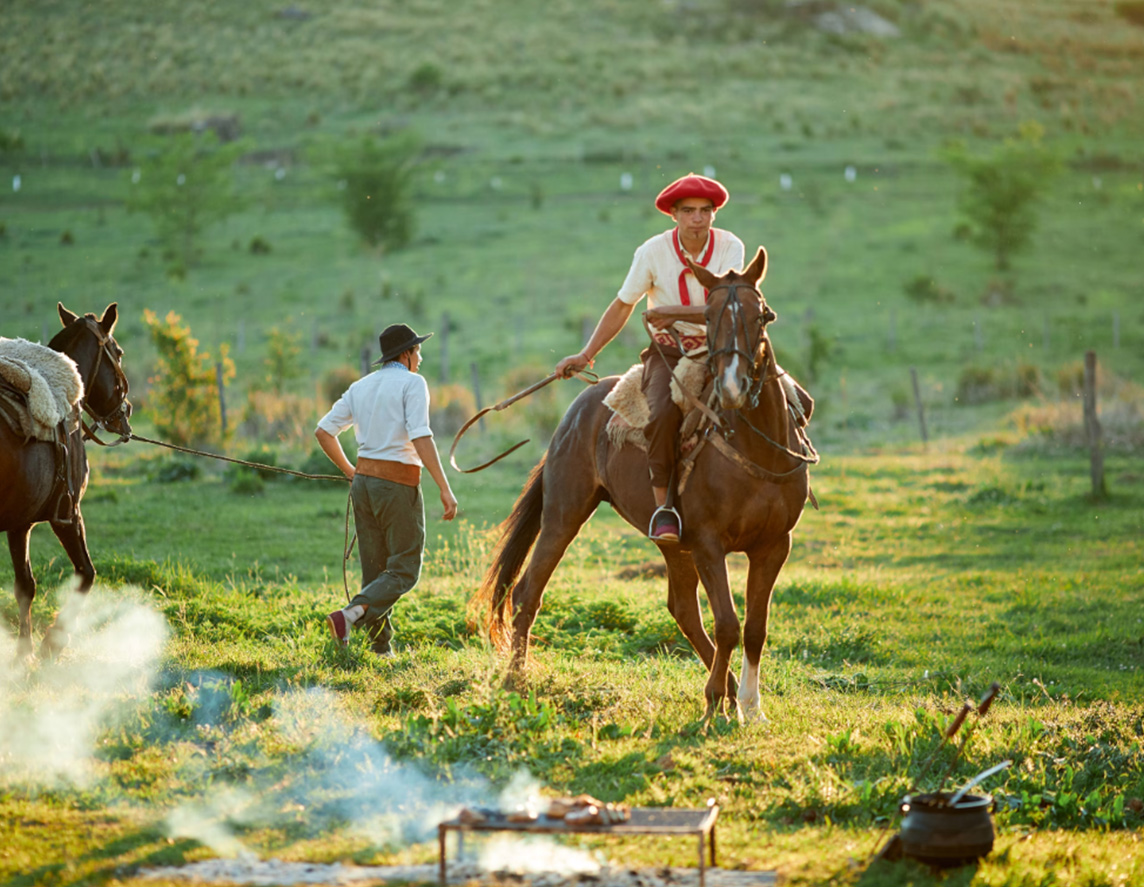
49	381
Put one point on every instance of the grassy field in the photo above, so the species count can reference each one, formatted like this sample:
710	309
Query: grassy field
202	710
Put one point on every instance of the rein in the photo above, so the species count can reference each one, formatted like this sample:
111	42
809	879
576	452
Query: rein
721	438
585	375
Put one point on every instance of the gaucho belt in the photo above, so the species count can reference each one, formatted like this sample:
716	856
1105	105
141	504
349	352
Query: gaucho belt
690	343
398	472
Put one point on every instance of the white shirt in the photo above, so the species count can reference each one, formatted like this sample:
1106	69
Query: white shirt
656	267
388	409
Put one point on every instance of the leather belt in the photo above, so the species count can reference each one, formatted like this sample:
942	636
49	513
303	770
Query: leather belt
398	472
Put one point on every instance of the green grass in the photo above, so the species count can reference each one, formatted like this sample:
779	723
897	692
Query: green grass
931	570
924	577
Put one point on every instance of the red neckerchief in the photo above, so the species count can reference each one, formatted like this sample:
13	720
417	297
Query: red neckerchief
684	295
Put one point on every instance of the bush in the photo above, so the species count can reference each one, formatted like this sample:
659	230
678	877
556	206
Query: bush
451	406
177	470
924	289
336	381
376	181
283	358
1131	11
977	385
184	399
184	189
1001	189
263	455
287	418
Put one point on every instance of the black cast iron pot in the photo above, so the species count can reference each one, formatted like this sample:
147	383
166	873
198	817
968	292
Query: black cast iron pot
941	834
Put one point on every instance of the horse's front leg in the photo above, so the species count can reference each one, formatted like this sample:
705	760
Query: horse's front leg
711	562
765	564
25	588
74	540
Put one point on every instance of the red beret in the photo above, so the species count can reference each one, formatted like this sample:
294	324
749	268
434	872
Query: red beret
691	185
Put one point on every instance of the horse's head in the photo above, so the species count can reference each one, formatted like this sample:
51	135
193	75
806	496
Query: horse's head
737	316
90	342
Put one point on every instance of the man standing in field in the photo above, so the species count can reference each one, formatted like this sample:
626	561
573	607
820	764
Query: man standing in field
674	298
389	411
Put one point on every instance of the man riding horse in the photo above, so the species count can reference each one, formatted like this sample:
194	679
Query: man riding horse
675	299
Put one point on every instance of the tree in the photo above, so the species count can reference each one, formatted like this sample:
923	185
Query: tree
1001	189
184	189
376	181
184	399
283	358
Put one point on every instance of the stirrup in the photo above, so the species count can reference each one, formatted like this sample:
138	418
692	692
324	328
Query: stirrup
661	510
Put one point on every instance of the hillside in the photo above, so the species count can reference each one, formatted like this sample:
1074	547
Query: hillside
524	230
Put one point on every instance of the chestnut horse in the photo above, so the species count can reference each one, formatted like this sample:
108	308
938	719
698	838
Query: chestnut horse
746	492
44	481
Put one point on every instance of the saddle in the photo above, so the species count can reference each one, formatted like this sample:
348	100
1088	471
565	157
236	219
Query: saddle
40	395
40	389
631	413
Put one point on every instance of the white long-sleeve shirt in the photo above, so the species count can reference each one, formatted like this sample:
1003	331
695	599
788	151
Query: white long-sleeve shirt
388	409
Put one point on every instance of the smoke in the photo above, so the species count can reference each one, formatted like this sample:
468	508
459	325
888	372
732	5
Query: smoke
313	764
52	715
339	776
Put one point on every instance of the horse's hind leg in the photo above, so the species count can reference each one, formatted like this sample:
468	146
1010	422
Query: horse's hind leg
74	540
765	565
683	601
559	526
25	588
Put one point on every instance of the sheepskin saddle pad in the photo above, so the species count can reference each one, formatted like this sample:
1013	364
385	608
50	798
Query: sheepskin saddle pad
631	414
43	387
629	404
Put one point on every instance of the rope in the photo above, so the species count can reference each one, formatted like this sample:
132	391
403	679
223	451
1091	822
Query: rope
347	551
260	465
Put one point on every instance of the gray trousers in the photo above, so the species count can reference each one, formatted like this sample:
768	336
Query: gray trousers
390	521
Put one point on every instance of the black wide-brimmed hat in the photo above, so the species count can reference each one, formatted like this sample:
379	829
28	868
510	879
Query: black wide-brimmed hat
396	339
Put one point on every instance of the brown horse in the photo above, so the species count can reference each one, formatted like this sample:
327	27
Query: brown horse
746	492
44	481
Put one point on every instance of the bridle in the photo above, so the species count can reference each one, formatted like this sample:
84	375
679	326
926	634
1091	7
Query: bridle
732	313
114	420
756	360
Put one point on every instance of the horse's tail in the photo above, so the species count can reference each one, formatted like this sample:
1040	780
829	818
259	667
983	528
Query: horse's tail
491	605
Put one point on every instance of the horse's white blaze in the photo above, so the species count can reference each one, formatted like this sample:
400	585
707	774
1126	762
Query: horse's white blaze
731	378
749	700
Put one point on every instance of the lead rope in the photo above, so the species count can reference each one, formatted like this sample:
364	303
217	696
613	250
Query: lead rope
347	551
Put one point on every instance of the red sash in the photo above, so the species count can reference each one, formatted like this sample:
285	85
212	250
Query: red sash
684	295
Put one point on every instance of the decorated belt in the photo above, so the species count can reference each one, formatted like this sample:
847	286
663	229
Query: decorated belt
689	343
398	472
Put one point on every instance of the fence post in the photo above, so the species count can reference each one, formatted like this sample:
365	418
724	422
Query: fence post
365	360
1092	427
221	396
918	404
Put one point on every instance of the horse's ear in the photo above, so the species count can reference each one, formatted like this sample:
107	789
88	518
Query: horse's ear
706	279
66	317
110	316
757	270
